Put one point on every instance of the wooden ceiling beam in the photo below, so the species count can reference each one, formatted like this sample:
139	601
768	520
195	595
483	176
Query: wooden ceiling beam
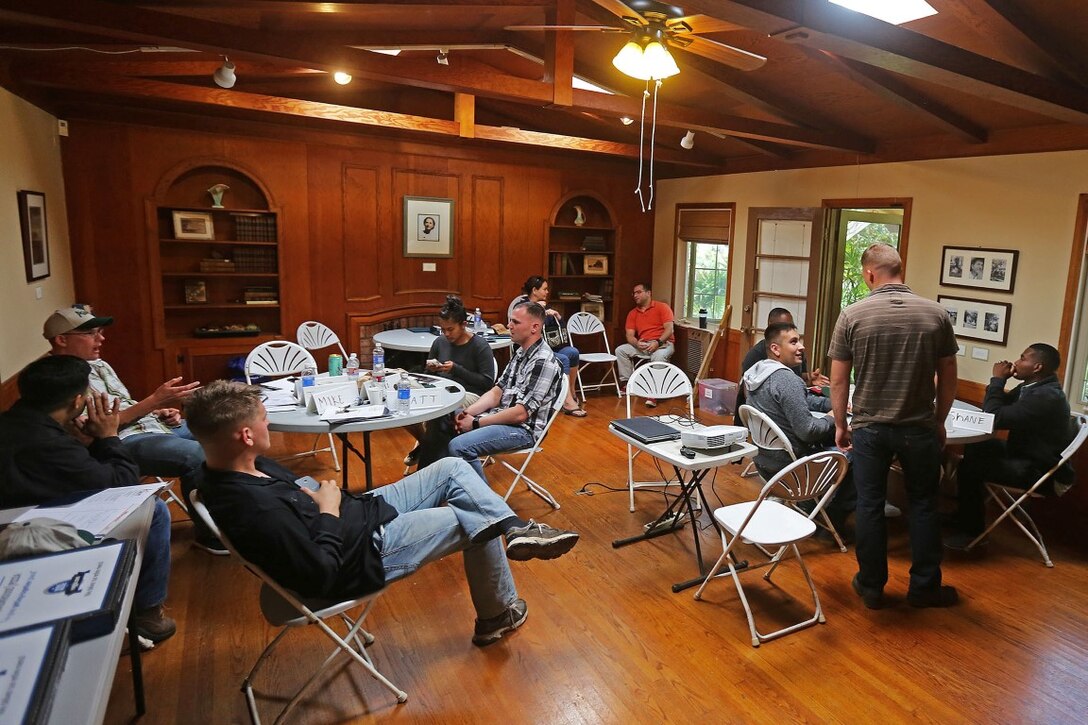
559	53
464	113
819	24
1068	56
891	88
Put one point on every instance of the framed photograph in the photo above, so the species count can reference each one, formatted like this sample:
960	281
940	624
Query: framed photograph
428	227
595	264
35	234
196	292
594	308
193	225
990	269
978	320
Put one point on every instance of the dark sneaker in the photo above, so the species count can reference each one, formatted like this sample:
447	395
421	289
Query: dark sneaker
153	624
538	541
940	597
651	403
211	545
872	598
489	631
412	458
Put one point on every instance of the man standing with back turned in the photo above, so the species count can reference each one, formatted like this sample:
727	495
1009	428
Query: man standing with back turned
894	342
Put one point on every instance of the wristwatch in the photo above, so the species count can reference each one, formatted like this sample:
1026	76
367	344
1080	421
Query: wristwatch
475	422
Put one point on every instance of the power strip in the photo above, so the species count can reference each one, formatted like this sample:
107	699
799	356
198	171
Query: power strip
674	520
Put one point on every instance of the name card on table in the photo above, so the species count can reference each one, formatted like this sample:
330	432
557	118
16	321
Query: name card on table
319	398
974	420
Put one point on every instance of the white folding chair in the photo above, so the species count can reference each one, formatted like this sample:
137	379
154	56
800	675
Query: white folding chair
532	450
659	380
283	608
280	357
768	523
1010	499
768	436
315	336
585	324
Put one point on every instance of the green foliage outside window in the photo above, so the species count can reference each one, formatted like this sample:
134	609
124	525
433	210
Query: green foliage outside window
708	274
853	286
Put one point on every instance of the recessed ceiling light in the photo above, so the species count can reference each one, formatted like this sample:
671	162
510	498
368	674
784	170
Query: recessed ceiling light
895	12
341	77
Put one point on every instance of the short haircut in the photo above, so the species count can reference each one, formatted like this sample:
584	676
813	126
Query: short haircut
221	406
775	330
778	314
453	310
51	382
1050	358
534	282
883	258
648	286
533	309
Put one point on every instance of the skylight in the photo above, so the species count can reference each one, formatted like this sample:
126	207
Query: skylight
895	12
585	85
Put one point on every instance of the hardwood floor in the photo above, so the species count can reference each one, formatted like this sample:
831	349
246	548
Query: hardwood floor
607	641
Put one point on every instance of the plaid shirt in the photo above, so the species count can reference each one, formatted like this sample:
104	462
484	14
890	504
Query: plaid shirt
104	380
532	379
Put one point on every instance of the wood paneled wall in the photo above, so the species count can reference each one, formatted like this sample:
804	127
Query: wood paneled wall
340	202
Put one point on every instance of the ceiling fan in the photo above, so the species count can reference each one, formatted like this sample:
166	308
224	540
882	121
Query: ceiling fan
648	21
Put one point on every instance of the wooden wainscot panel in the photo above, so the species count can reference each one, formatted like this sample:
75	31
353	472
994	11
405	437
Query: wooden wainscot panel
363	260
408	275
486	250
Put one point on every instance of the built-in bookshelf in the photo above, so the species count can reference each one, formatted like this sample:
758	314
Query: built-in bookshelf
582	240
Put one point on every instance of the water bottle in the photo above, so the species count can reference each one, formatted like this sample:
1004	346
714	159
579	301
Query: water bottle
702	318
309	376
404	396
478	323
378	371
351	369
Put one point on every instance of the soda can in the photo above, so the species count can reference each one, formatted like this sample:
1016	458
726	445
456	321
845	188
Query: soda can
336	365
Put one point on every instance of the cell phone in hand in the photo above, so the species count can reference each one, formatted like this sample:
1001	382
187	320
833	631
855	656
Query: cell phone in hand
432	363
308	482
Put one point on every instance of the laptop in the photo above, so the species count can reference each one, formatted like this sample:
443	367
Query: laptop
646	429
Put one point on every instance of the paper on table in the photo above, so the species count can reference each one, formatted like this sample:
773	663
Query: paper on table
338	415
100	512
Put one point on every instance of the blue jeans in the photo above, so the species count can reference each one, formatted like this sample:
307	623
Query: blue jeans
425	531
487	440
170	455
155	569
919	455
567	357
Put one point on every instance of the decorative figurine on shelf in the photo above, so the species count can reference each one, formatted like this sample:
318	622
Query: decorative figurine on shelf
217	195
579	216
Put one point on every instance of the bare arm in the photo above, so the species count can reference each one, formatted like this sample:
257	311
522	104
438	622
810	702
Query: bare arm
631	339
166	396
946	392
840	397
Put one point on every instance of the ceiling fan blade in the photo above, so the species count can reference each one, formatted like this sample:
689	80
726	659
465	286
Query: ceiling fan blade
621	10
722	53
600	28
704	24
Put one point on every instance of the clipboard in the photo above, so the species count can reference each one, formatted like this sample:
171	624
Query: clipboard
31	663
82	586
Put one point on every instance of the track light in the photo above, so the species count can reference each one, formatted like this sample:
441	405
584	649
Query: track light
341	77
443	56
626	120
224	75
688	141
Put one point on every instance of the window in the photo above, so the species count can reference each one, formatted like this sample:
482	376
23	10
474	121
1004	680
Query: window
703	250
1075	358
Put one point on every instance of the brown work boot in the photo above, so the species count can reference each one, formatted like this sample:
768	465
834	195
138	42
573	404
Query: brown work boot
153	624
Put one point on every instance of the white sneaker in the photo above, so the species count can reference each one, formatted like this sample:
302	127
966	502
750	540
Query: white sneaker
891	511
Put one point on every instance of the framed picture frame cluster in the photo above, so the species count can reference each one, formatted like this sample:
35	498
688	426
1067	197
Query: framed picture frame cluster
979	268
35	233
978	320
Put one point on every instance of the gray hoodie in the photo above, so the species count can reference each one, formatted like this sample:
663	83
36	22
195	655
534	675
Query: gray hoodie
780	394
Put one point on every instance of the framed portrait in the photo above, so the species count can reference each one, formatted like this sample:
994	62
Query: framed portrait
193	225
978	320
990	269
595	264
428	227
594	308
35	234
196	292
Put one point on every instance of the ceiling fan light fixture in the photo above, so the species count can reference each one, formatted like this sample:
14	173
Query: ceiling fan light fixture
224	75
659	61
341	77
629	61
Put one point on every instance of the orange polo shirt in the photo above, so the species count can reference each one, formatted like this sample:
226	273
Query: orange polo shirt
649	324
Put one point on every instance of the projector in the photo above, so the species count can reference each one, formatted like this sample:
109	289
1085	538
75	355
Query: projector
714	436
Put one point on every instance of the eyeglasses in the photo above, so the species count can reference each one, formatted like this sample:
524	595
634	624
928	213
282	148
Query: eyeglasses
98	332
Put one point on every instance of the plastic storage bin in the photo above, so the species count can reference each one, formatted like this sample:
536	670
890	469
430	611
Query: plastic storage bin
718	396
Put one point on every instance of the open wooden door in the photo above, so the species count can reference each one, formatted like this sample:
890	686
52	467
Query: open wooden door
782	260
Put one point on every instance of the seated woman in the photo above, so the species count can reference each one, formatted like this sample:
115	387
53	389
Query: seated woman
535	289
460	356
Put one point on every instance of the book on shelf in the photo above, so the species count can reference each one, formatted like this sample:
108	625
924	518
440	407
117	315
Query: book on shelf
588	297
594	243
262	302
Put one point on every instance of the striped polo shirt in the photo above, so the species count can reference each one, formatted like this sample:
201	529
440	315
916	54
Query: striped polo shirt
893	338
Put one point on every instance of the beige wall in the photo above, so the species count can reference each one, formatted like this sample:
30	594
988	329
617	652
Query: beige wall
29	159
1025	202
